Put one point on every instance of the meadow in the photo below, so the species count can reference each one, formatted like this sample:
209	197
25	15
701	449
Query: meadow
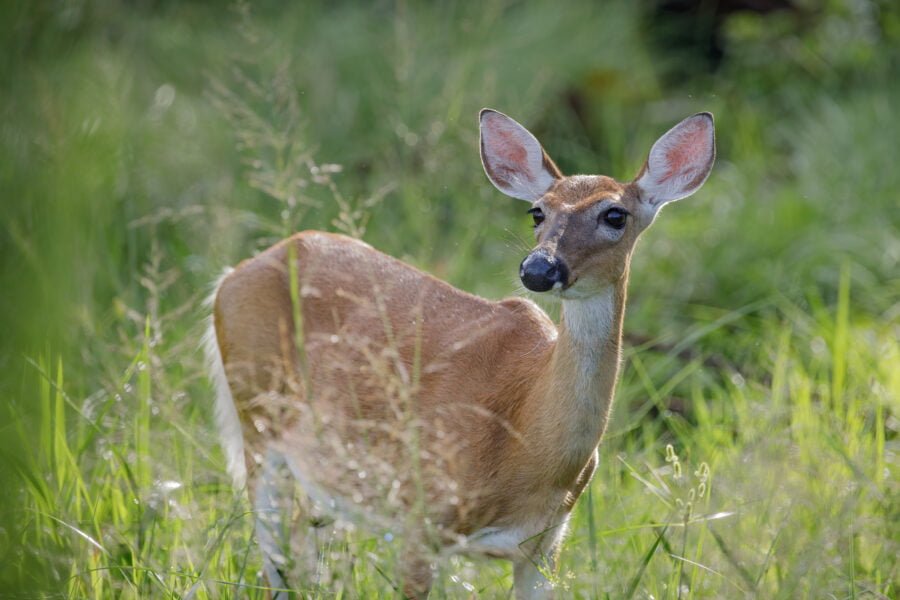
145	146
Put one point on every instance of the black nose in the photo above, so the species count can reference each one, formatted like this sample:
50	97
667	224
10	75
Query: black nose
540	271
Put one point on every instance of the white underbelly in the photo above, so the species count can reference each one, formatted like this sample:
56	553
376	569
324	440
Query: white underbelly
512	542
540	530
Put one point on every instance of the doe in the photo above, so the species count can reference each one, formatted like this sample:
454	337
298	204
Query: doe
465	425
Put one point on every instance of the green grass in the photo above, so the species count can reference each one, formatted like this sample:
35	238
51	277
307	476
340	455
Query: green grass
753	450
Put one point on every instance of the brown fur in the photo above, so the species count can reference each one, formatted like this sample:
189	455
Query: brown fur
492	379
481	414
481	363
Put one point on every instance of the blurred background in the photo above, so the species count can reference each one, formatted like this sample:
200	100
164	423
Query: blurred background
146	145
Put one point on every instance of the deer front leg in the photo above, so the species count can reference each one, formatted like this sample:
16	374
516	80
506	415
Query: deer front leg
530	582
531	574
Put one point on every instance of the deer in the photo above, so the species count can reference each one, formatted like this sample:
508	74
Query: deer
467	425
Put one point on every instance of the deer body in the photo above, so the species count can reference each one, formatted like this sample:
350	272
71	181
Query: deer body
373	382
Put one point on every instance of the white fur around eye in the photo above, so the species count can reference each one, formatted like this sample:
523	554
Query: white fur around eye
610	233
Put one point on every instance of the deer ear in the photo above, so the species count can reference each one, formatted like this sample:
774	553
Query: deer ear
513	158
679	162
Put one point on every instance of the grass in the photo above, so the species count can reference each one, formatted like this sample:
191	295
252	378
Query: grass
753	451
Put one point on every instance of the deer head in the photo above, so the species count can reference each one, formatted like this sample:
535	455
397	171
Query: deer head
586	226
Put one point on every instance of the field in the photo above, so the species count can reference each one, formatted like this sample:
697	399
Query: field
145	146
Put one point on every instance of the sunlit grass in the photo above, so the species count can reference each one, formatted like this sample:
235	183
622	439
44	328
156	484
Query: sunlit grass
778	488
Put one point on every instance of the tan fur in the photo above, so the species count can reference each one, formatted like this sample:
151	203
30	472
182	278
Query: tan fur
483	371
403	391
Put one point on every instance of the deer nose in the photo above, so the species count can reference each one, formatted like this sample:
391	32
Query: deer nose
540	271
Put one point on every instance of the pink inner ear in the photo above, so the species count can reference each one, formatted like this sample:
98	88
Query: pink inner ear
508	149
513	159
688	151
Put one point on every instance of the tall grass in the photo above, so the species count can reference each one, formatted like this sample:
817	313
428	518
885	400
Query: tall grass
753	451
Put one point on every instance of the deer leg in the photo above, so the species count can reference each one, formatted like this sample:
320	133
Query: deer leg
271	495
530	579
416	574
533	572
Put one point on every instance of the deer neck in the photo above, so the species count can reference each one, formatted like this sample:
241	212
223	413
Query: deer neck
586	357
591	328
575	400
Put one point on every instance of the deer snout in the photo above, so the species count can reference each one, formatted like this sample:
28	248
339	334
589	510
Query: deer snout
541	272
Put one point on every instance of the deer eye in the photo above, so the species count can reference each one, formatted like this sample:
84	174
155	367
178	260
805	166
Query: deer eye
536	214
615	218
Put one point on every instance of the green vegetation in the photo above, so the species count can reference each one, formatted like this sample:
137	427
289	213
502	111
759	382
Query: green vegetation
144	146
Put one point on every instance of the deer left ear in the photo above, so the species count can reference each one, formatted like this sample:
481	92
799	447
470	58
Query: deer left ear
513	159
679	162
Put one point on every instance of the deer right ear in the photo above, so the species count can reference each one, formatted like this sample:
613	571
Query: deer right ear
513	159
679	162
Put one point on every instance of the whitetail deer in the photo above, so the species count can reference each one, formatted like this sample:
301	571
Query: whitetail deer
470	425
